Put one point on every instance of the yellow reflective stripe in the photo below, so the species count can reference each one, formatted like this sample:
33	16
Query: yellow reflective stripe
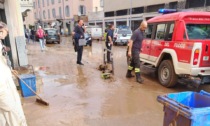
130	68
137	70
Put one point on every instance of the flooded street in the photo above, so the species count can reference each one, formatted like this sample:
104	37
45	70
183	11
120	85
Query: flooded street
78	96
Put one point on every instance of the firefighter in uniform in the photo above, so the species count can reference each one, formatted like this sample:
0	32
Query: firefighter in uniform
134	51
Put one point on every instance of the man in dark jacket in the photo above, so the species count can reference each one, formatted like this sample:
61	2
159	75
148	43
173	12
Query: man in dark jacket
79	34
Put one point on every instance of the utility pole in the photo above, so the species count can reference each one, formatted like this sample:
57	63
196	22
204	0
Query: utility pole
63	10
130	11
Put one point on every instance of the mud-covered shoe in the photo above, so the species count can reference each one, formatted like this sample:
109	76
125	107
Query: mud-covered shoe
139	79
129	75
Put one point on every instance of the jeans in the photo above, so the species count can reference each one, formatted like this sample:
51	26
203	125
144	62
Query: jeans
108	46
42	44
28	39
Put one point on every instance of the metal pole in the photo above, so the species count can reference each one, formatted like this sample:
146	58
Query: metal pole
130	11
63	10
205	5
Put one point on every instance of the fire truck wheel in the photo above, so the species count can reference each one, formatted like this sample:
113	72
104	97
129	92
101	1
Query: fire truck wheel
166	74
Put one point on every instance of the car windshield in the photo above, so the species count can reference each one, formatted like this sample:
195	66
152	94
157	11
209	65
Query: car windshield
51	32
198	31
124	32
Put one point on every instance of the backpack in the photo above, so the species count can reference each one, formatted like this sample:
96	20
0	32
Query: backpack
40	33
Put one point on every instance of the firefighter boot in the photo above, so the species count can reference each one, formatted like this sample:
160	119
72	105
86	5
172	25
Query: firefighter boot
129	75
138	78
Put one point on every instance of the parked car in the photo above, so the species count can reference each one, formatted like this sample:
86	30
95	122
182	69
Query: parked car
87	38
95	32
52	35
122	35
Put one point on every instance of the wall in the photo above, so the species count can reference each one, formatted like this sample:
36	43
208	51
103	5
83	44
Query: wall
29	20
112	5
28	4
96	3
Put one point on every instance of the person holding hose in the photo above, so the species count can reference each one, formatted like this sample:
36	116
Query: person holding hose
11	112
135	44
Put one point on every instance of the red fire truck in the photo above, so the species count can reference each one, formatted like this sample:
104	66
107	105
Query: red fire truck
177	45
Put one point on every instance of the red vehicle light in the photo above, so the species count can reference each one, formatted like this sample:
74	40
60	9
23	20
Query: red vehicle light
196	55
202	71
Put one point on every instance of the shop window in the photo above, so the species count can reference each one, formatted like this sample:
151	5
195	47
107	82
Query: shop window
173	5
195	3
122	12
155	8
138	10
109	14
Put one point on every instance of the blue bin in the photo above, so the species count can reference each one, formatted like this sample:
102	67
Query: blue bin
29	79
186	108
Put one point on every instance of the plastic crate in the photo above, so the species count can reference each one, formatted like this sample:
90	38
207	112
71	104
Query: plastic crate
29	79
186	109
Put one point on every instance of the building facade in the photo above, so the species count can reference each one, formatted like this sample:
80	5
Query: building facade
26	8
61	13
26	5
10	13
132	12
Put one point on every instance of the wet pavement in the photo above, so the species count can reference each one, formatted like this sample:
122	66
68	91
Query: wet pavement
78	96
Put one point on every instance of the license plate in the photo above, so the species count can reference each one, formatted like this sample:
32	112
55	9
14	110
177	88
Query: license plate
124	40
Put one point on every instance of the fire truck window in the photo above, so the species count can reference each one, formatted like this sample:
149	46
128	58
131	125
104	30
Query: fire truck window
161	30
198	31
170	32
148	31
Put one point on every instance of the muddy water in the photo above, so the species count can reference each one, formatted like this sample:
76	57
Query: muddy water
79	97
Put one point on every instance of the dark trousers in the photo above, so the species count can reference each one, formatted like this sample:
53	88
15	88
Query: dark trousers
135	61
108	53
79	53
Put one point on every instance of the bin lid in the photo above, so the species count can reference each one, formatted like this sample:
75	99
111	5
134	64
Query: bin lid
25	76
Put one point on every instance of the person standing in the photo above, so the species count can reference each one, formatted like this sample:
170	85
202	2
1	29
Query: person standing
135	44
11	112
33	34
109	41
79	34
40	34
28	35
